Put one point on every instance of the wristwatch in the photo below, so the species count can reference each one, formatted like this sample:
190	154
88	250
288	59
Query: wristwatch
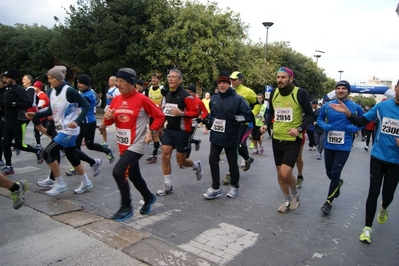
182	114
299	129
153	132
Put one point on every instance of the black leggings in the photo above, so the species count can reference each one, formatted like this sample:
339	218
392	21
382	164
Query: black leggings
387	175
368	134
87	131
214	157
242	147
334	163
127	168
52	153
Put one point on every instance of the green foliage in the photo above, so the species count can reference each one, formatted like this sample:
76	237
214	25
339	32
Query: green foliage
101	36
364	101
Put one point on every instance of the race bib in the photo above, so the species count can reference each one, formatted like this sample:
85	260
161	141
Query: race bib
123	136
390	126
168	109
283	115
336	137
58	127
219	125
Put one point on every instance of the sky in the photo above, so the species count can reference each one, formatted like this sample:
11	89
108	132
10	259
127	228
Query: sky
359	37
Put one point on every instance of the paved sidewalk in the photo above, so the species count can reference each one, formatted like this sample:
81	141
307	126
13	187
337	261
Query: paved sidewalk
185	229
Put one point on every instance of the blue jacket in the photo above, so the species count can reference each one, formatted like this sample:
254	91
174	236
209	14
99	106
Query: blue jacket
90	97
333	122
226	108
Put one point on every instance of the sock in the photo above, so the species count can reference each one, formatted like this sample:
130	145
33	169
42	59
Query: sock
287	197
14	187
167	179
84	178
195	165
294	192
60	179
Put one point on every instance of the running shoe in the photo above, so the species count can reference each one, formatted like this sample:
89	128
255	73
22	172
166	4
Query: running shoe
212	193
382	216
251	145
261	150
197	145
198	171
46	183
96	166
19	196
104	144
39	154
227	179
83	187
248	163
365	236
341	182
57	188
122	214
110	155
318	156
295	201
299	182
71	172
152	159
2	163
284	207
326	207
366	148
166	190
17	151
8	170
233	193
147	205
242	165
255	153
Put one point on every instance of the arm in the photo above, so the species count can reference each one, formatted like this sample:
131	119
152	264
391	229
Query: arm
191	109
73	96
204	111
357	120
304	101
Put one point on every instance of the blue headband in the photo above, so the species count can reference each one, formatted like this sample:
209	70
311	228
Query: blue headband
129	77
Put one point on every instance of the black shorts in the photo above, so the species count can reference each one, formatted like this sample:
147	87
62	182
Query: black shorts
176	139
286	152
256	133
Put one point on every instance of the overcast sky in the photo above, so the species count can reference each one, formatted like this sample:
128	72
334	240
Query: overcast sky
359	37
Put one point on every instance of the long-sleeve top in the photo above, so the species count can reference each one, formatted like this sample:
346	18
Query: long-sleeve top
130	115
386	114
181	99
338	129
15	103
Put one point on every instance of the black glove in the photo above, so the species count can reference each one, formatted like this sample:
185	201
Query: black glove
199	120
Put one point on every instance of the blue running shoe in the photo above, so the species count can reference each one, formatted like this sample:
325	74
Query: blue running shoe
147	205
123	214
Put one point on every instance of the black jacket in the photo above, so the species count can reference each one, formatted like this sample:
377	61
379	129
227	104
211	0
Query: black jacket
227	107
15	103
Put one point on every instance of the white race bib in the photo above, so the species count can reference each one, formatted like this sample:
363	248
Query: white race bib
219	125
336	137
168	109
390	126
283	115
123	136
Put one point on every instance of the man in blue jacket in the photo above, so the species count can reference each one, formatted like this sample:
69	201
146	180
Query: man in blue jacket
228	111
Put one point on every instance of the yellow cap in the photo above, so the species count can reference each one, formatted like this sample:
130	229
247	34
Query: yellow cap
236	75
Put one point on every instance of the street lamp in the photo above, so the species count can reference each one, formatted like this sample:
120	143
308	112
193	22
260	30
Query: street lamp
317	57
267	25
340	72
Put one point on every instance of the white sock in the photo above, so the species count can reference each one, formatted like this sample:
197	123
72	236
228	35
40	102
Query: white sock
167	179
84	178
195	165
60	179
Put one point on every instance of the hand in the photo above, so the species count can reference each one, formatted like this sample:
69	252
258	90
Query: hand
29	115
73	124
108	114
294	132
340	107
263	129
199	120
176	111
148	137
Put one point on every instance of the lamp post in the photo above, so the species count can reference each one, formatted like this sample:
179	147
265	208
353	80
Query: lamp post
340	73
317	57
267	25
